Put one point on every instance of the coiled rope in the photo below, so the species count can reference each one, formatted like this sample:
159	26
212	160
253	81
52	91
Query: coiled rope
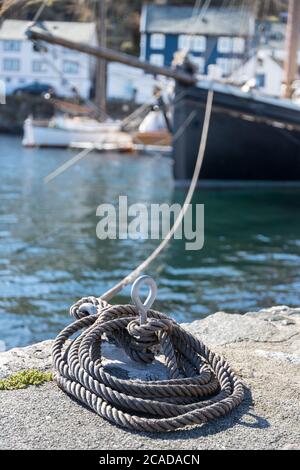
201	385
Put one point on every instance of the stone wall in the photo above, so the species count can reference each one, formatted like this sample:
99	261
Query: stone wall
262	347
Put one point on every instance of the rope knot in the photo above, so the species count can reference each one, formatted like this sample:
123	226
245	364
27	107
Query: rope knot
148	334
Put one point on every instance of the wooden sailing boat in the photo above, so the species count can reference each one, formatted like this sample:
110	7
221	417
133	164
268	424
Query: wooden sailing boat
251	137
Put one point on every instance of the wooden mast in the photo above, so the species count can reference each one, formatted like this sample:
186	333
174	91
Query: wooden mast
292	38
100	82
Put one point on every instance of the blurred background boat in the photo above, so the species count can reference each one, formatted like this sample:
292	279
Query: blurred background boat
64	131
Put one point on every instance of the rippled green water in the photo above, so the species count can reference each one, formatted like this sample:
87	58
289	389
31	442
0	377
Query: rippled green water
50	256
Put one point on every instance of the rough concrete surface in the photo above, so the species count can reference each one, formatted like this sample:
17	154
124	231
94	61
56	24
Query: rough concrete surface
263	348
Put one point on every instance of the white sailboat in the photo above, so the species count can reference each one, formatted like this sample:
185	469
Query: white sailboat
63	131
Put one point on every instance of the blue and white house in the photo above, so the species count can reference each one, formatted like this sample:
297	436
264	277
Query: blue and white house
220	37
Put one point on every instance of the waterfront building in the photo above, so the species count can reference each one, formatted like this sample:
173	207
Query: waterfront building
23	63
220	37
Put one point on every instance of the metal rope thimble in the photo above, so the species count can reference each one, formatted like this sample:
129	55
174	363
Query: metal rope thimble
143	308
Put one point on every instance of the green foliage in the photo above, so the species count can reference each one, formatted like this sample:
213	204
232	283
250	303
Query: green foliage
25	378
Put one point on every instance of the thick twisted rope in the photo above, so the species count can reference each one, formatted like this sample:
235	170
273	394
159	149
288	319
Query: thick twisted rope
201	384
108	295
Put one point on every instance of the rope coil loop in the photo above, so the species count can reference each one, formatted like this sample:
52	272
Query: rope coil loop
201	385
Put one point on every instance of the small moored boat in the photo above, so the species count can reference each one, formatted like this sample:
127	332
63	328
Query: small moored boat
61	131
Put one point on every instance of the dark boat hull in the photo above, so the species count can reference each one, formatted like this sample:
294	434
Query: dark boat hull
249	138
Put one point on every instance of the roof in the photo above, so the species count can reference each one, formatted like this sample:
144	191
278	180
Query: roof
75	31
182	20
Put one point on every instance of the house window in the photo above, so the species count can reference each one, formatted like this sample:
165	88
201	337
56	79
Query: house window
224	65
39	66
224	44
157	41
228	66
238	45
193	43
11	65
199	43
157	59
71	67
260	80
12	46
184	42
200	62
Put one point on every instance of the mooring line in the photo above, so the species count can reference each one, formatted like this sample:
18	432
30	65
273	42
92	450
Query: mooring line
137	271
201	385
75	159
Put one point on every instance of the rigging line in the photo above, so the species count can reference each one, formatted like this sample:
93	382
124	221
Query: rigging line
54	67
244	9
137	112
69	163
244	13
229	6
68	82
266	6
184	125
196	7
137	271
39	12
196	18
196	15
84	153
181	129
177	134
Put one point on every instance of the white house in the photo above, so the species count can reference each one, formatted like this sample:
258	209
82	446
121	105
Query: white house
63	69
130	84
263	72
265	69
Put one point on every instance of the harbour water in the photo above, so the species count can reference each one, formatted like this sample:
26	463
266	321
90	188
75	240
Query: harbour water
50	255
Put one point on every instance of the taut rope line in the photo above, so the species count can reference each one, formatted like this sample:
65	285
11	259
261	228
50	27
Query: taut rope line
142	267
